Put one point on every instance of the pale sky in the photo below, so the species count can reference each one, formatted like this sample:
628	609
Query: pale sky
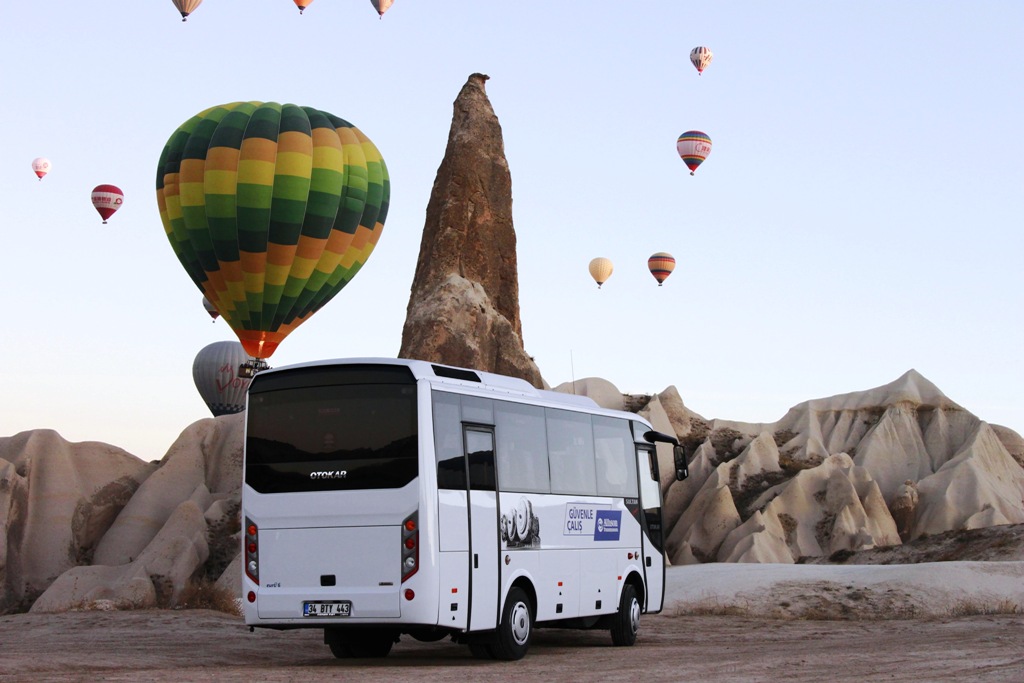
860	213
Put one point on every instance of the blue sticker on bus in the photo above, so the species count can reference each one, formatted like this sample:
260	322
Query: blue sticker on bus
607	525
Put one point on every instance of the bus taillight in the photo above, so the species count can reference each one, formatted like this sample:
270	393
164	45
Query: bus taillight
410	546
252	555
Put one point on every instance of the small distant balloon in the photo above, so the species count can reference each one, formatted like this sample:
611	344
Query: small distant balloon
693	147
302	4
382	6
600	270
186	7
41	165
701	57
211	309
107	199
661	266
215	372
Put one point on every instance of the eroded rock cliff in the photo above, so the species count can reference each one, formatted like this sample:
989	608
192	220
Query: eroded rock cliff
464	305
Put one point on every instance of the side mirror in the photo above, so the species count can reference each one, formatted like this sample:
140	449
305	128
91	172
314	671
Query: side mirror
682	471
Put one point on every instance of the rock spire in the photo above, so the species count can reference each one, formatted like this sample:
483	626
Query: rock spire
464	304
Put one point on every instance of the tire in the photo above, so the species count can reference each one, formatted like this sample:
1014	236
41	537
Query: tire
480	651
365	645
626	621
512	639
339	649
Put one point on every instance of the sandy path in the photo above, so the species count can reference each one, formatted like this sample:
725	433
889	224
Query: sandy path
177	646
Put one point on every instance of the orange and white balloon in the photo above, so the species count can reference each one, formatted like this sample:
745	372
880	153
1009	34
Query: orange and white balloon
661	266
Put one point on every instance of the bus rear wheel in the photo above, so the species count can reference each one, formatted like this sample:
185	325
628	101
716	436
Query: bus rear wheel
626	621
513	636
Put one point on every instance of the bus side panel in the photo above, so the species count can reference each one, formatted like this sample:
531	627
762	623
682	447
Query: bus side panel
453	605
484	560
588	545
654	575
558	585
452	524
599	581
522	563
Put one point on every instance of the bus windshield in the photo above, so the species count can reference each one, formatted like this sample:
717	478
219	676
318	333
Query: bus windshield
332	437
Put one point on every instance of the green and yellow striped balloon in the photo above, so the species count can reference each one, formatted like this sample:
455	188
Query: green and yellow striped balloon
272	209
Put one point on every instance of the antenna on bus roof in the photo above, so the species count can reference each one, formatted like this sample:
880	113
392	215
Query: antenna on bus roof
572	370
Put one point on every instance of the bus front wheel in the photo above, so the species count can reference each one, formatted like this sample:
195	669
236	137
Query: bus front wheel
513	636
626	622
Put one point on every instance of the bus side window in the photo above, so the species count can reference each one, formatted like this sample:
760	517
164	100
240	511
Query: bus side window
616	469
571	452
480	453
451	465
522	449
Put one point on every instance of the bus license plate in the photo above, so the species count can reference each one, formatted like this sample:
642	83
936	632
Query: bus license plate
331	608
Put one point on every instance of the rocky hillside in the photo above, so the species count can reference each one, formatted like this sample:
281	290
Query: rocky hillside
854	471
1001	543
894	474
85	522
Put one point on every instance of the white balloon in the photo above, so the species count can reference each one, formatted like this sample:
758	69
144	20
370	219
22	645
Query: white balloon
215	372
41	165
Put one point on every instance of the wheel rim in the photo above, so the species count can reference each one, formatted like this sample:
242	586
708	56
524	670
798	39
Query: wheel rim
634	615
521	623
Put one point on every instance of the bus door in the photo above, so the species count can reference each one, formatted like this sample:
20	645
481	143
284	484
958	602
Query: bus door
650	518
483	527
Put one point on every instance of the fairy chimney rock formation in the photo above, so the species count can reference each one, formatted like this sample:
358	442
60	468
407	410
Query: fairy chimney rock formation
464	304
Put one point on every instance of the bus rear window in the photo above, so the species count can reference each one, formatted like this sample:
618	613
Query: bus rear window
331	438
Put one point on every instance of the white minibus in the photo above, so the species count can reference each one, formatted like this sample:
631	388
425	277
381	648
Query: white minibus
390	497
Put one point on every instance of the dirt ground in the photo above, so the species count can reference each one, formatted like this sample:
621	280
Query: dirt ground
200	645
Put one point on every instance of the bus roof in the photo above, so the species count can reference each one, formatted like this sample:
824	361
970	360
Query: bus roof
447	375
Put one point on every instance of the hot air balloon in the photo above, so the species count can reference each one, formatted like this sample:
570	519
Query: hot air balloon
186	7
215	372
701	57
694	147
661	266
382	6
107	199
210	309
41	165
302	4
600	270
271	209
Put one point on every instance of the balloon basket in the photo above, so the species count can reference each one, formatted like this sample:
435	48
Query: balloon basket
252	367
